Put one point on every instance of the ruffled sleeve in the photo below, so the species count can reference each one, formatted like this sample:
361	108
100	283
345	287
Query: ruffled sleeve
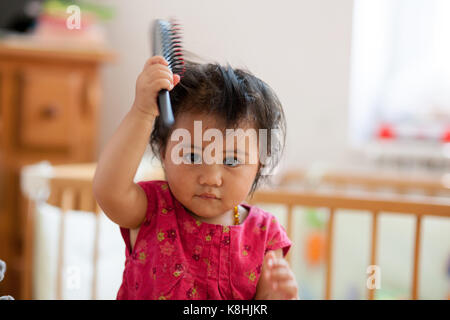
277	237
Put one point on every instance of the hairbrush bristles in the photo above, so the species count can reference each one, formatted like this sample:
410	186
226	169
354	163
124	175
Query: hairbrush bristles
176	50
167	43
168	34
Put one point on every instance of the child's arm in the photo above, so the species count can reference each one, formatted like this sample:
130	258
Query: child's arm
123	201
277	281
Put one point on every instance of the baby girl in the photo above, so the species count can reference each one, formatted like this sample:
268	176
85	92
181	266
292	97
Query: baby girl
192	235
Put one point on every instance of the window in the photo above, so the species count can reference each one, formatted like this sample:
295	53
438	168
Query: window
400	77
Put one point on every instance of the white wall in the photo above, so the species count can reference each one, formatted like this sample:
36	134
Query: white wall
300	48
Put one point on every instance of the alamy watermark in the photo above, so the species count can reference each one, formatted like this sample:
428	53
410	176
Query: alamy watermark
213	152
74	20
374	279
73	277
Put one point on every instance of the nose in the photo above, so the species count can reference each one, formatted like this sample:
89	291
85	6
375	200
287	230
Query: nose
210	175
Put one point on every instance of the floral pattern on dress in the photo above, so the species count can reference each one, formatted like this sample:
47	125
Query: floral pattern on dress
245	250
189	226
167	248
179	257
160	235
251	275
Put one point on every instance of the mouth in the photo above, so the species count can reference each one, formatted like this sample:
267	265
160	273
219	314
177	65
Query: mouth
207	196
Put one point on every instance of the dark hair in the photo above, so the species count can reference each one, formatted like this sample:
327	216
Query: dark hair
232	95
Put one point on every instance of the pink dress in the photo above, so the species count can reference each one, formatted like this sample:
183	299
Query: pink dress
178	257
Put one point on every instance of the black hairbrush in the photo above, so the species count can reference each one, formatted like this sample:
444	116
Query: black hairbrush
167	43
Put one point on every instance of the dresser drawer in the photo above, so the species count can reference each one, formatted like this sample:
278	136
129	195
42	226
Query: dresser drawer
49	107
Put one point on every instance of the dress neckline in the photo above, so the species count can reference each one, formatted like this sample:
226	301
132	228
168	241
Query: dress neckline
214	225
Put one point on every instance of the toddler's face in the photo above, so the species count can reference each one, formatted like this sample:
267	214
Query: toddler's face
229	177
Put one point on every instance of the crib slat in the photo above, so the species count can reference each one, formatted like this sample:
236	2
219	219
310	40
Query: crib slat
95	252
290	231
67	202
86	200
329	255
373	261
415	280
27	282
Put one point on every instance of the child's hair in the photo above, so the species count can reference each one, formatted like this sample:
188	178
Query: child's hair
235	97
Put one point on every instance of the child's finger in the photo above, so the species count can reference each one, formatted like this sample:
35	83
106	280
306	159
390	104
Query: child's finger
281	274
268	262
161	74
163	84
155	71
280	262
176	79
155	60
156	67
270	257
288	288
275	263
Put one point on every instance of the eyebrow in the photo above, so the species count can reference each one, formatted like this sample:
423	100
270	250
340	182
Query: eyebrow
198	148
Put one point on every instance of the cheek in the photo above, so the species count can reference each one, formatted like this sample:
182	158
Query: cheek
178	173
180	178
241	183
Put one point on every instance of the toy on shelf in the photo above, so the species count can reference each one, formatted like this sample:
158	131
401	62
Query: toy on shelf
316	239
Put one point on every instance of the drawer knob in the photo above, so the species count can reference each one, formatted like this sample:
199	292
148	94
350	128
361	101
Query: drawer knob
49	112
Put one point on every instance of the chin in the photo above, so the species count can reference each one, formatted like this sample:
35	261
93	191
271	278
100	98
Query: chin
201	212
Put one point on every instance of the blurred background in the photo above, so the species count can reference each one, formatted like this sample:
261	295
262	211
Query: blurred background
365	86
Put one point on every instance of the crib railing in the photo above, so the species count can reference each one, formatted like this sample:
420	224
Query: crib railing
71	189
375	204
74	194
399	183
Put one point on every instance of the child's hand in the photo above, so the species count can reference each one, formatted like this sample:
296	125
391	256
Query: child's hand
155	76
278	280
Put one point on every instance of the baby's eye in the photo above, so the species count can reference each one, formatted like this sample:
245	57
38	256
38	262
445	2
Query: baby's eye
192	158
232	161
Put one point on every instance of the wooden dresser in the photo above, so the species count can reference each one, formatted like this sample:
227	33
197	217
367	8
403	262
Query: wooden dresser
49	108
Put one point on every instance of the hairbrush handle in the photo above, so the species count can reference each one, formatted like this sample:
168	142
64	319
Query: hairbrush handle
165	107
